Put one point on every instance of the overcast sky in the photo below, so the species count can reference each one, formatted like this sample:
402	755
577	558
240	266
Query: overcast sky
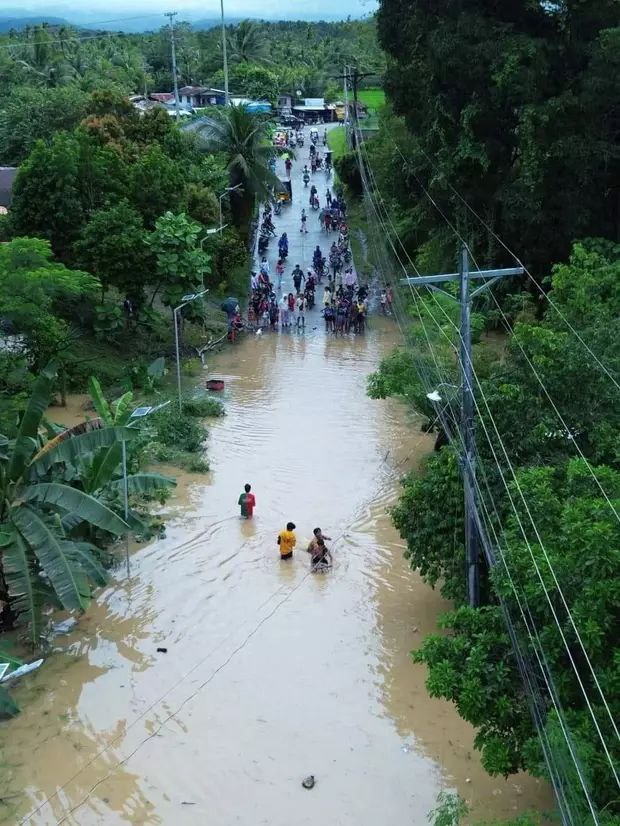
104	10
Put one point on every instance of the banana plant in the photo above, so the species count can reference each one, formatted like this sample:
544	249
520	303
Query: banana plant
8	706
40	562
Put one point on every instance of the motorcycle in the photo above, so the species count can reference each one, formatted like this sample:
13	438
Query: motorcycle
309	295
263	243
314	202
306	179
277	208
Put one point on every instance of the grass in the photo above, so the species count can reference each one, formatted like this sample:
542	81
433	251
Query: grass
373	98
337	141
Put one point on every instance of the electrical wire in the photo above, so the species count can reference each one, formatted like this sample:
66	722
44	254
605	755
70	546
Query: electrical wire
500	470
515	337
521	264
562	596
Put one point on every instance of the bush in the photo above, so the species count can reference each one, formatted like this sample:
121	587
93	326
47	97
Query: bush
203	406
179	430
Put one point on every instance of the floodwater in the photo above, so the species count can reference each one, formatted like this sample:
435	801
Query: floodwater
270	673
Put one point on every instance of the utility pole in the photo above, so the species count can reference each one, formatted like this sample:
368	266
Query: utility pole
346	96
177	105
226	96
468	436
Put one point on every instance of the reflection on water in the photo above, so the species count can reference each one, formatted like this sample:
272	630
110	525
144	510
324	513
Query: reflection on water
270	673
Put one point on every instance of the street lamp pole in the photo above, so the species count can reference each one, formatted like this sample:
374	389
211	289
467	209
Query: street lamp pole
138	413
186	299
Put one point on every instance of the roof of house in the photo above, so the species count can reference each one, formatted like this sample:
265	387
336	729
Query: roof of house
7	178
200	90
161	97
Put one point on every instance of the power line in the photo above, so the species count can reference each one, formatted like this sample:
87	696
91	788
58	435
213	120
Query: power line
587	700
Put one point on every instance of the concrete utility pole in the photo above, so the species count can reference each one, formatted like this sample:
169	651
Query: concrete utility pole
224	55
177	104
468	452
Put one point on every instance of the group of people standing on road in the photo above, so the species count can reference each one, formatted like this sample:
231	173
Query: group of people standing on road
343	303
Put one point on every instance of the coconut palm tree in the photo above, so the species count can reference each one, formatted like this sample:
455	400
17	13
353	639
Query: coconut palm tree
243	138
248	44
47	522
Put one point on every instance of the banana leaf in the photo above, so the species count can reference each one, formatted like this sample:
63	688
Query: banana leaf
82	553
8	707
75	501
24	586
71	447
101	405
31	419
143	483
66	576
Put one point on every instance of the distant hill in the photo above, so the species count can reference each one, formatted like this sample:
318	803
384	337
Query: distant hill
8	23
212	23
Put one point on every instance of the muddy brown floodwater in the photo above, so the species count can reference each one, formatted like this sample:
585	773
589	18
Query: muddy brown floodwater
271	673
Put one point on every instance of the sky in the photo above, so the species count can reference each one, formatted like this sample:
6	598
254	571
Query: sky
104	10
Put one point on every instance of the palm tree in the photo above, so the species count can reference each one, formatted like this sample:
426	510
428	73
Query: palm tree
247	44
243	138
47	521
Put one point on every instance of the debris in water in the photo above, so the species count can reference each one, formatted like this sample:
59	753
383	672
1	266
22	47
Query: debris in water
406	748
64	627
21	671
308	782
162	650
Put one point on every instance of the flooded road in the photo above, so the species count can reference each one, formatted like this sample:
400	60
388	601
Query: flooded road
271	673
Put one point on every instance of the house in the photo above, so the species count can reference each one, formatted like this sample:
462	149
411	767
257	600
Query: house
196	97
284	105
315	110
7	178
162	97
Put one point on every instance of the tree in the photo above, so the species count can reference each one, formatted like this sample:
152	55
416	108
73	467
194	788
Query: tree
156	184
32	114
243	139
60	185
180	261
253	81
41	564
532	108
112	246
247	44
36	290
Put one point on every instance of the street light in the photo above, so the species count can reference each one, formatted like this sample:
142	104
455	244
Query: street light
186	299
225	192
138	413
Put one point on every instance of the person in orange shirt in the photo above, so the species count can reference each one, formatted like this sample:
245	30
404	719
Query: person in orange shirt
287	541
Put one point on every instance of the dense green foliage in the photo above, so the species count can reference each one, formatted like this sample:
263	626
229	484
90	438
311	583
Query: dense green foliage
59	504
512	104
570	502
510	109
